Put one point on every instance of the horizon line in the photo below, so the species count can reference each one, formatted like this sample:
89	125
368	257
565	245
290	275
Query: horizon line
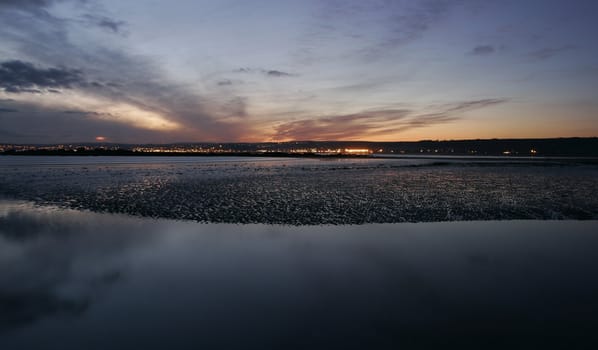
305	141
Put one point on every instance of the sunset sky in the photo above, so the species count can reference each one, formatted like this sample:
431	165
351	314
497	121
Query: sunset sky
237	70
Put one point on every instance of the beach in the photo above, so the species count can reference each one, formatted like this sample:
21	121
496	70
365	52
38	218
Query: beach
308	191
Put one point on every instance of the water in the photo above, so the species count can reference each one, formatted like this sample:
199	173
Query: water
81	280
36	161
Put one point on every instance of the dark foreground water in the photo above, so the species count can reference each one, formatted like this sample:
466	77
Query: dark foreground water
81	280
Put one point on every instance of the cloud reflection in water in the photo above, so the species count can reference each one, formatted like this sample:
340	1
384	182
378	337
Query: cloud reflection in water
85	280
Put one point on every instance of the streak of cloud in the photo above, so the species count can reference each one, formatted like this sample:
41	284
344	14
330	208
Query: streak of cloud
377	27
548	52
339	127
277	73
483	50
267	72
113	25
375	123
474	104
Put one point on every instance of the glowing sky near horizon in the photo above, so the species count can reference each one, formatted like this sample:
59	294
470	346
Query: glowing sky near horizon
163	71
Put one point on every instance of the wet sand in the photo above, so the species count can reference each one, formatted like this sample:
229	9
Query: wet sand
307	191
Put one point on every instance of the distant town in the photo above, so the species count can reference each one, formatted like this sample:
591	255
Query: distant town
566	147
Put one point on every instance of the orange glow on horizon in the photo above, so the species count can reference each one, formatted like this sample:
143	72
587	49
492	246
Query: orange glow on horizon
357	151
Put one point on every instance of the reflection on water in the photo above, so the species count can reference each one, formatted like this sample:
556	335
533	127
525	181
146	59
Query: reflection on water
79	280
115	160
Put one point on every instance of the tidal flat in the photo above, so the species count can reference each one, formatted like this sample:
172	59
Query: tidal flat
107	252
308	191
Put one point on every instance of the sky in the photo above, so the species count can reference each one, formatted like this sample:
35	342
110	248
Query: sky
157	71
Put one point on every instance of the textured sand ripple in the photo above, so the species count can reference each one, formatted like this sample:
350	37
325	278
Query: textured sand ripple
312	193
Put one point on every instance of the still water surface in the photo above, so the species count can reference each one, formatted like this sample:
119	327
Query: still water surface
80	280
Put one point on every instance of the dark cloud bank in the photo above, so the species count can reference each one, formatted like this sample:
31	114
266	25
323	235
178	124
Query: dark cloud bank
18	76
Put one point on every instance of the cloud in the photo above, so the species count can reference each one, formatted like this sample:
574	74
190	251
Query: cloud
25	3
76	112
266	72
224	82
339	127
7	110
375	27
483	50
549	52
115	26
18	76
277	73
376	123
31	123
235	108
105	77
38	7
475	104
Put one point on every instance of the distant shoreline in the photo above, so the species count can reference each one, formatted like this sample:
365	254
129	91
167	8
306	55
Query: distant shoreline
553	147
298	155
124	153
469	160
